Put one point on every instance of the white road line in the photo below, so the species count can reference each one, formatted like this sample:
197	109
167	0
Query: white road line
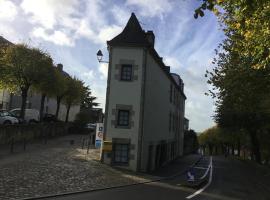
200	167
209	182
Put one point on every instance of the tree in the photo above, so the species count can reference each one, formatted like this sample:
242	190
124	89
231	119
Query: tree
22	68
46	86
74	94
241	93
247	24
88	101
61	83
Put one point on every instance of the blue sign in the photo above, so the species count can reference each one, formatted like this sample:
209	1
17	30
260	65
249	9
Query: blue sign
191	175
98	144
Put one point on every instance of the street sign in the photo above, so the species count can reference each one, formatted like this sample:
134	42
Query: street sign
99	135
191	175
98	144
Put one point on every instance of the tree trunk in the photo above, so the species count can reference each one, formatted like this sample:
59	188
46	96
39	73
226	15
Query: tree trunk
68	109
238	147
11	101
42	102
255	146
216	150
232	149
24	92
58	100
210	149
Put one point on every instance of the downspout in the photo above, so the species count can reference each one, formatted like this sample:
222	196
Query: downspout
107	98
142	105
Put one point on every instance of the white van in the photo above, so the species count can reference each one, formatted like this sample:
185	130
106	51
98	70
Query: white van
31	115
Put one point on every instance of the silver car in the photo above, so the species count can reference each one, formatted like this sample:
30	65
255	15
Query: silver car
6	118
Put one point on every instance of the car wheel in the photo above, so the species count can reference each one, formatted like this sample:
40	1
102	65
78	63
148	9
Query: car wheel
7	122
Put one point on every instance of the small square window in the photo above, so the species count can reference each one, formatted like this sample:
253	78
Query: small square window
126	72
123	118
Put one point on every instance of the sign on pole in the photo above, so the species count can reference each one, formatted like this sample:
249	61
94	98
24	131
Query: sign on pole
99	135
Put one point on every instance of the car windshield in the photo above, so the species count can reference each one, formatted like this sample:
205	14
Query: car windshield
4	114
15	113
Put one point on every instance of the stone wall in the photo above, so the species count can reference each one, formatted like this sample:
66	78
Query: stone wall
29	132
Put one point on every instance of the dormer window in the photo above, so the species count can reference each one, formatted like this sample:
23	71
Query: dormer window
126	72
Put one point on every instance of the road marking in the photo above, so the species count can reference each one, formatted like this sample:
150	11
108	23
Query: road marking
209	182
200	167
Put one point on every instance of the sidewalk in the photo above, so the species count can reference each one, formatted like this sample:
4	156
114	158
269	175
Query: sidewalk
177	166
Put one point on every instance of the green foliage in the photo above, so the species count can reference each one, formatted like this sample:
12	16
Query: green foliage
22	67
88	101
241	93
247	24
46	84
75	92
61	83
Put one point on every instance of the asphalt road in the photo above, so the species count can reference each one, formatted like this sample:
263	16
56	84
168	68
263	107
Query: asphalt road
231	179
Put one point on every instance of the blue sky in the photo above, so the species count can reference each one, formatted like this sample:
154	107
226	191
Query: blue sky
73	30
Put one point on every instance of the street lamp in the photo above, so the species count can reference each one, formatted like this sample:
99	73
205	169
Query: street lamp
100	56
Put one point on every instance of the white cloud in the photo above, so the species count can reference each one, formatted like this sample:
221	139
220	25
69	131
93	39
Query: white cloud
90	75
49	12
173	63
84	30
108	33
57	37
8	10
70	20
103	69
121	15
151	8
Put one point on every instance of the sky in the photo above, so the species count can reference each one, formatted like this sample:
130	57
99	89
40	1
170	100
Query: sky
72	31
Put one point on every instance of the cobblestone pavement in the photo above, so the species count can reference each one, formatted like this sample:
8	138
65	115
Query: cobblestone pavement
57	167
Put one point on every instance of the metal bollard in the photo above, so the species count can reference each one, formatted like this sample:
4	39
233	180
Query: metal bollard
88	145
83	142
12	145
24	144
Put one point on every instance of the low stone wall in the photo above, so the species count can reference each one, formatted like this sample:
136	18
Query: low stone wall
20	132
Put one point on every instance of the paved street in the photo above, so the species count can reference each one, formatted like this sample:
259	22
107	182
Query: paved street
232	179
57	167
60	167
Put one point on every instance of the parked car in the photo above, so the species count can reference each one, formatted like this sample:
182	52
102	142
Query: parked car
6	118
31	115
49	118
91	126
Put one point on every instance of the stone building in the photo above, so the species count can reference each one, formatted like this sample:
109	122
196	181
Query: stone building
145	104
9	101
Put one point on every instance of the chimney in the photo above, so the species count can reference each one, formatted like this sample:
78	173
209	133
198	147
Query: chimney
150	37
167	68
60	67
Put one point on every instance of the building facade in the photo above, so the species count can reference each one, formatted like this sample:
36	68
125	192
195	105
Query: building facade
9	101
145	104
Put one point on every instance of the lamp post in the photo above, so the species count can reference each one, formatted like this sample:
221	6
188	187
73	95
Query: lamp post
100	56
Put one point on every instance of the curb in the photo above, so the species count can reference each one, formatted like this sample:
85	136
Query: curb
113	187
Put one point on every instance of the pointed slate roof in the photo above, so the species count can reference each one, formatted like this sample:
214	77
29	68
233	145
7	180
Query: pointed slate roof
133	34
4	42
